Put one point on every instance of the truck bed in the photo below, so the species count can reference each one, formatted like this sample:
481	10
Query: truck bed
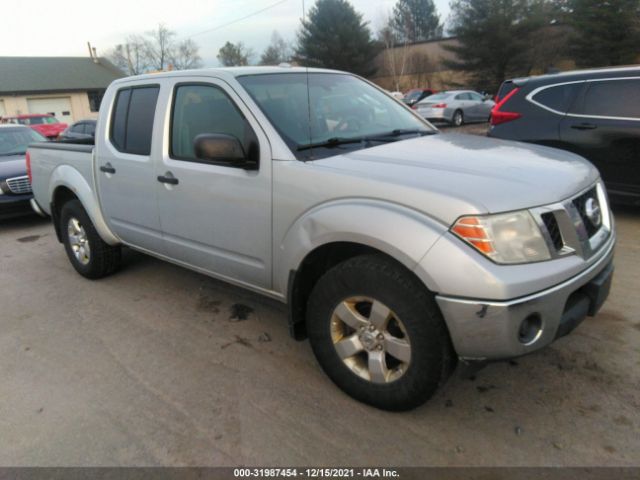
50	160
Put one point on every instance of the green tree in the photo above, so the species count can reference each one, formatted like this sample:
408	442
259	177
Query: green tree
336	36
604	33
234	54
494	38
277	52
415	20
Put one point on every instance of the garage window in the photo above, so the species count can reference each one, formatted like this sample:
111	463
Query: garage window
95	99
132	119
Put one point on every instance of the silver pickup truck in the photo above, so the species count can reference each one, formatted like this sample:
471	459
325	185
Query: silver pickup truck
399	249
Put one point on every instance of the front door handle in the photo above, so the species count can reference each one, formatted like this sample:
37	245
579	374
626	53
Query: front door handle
108	168
584	126
168	178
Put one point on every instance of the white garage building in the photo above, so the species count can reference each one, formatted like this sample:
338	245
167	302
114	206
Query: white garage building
70	88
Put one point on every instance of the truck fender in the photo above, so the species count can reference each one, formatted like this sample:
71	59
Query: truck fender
398	231
68	177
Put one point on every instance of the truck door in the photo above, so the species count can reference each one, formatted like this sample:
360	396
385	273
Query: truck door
214	216
125	171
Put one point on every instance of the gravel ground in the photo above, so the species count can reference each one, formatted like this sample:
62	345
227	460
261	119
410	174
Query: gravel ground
158	365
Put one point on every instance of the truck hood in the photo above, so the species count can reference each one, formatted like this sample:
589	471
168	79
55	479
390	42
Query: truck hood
482	175
13	166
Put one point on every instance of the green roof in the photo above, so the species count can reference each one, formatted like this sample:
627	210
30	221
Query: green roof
55	74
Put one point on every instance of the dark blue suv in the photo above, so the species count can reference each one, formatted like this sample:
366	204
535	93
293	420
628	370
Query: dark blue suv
594	113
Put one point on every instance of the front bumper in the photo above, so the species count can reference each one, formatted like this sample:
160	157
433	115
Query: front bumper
492	330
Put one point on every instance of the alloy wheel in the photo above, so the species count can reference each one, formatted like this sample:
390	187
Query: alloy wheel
370	339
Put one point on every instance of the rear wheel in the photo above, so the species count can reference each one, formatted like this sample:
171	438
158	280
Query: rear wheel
88	253
458	118
378	334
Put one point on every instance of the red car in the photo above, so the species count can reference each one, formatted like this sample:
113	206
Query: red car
44	124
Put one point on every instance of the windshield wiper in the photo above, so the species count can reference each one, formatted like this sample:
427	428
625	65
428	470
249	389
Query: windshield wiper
332	142
381	137
402	131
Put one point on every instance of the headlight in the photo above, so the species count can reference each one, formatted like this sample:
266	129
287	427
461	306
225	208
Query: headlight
504	238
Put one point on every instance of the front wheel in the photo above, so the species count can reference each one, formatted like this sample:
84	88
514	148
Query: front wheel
378	334
88	253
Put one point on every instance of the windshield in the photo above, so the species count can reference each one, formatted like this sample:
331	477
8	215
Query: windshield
411	96
37	120
14	141
342	107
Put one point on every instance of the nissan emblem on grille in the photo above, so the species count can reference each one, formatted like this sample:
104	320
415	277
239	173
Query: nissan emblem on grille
592	211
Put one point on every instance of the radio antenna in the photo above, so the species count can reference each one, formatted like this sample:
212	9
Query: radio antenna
304	18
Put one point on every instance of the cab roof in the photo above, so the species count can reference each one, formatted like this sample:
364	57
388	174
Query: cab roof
229	72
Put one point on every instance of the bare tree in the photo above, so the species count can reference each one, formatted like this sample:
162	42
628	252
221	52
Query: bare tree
277	52
131	56
157	50
395	54
159	46
185	55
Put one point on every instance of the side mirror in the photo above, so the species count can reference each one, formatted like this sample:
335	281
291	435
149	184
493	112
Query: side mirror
222	149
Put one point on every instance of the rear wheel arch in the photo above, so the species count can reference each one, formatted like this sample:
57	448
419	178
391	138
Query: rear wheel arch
61	195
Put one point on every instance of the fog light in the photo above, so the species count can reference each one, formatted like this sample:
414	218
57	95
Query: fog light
530	329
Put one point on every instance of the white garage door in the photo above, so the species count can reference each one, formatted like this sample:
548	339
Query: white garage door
2	111
58	107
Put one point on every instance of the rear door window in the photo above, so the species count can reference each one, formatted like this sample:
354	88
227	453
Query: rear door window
558	97
132	124
612	98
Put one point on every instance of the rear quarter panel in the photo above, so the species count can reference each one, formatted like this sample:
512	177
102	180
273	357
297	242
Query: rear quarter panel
69	166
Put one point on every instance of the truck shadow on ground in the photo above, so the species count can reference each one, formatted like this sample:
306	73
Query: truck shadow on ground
498	389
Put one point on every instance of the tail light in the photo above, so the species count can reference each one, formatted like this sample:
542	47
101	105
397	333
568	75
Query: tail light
28	160
439	105
414	106
498	116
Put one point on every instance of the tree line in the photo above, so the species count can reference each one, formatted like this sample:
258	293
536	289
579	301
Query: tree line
496	39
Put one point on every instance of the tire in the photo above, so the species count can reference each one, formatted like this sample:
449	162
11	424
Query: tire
96	261
413	318
458	118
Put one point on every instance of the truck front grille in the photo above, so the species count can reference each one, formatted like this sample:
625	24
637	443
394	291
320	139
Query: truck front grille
19	185
584	207
553	229
578	225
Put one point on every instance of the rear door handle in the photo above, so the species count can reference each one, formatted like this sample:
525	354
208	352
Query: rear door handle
584	126
108	168
168	178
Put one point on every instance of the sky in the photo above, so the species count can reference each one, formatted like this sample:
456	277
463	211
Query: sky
36	29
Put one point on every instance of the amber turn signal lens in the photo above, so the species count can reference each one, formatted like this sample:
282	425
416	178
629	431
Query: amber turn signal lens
471	230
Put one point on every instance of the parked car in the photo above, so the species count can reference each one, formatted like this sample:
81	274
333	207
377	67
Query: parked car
47	125
415	95
594	113
397	95
397	248
15	189
456	107
83	131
